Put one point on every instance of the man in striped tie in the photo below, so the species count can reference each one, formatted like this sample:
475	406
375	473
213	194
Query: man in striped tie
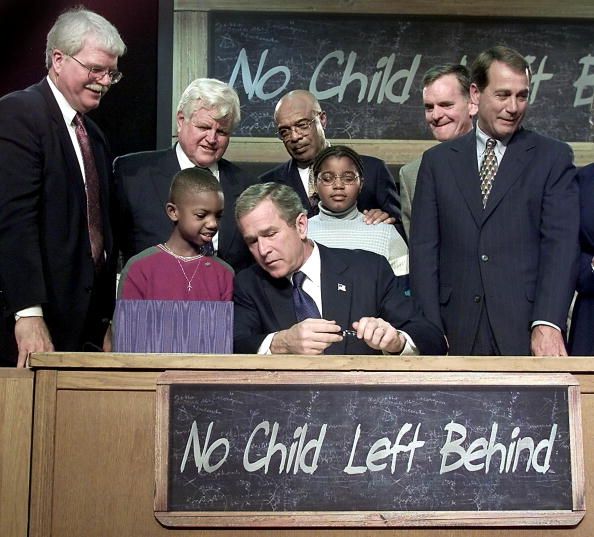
495	224
57	262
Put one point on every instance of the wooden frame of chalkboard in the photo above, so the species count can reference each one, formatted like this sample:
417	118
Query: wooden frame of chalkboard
203	419
193	53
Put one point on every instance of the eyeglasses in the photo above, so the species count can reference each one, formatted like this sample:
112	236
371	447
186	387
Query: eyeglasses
99	72
329	178
301	127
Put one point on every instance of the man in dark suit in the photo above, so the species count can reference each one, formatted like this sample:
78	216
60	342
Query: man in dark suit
207	113
57	268
279	301
301	121
495	224
581	336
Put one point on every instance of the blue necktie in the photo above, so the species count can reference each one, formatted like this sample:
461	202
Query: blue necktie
305	307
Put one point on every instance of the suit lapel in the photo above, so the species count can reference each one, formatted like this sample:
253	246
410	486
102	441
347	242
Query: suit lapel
464	165
278	291
511	168
161	181
70	160
232	188
337	290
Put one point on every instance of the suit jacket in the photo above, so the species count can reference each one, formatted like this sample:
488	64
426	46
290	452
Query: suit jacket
581	336
408	180
264	304
379	188
516	258
143	181
45	255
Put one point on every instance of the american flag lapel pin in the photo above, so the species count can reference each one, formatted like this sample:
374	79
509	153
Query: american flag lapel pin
342	287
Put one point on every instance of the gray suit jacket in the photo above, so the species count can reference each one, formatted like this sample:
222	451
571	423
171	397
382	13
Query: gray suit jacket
408	180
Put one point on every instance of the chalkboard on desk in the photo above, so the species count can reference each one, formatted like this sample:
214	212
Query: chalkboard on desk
367	70
314	449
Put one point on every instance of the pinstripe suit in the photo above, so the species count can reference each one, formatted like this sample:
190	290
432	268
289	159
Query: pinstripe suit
513	262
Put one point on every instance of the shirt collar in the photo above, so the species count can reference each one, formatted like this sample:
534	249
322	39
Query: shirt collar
185	162
481	141
312	267
351	213
67	111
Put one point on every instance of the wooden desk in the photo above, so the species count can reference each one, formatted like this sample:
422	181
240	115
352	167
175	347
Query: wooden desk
93	443
16	418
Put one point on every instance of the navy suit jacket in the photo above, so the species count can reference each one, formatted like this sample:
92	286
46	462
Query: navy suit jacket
379	188
264	304
45	254
581	336
517	257
143	181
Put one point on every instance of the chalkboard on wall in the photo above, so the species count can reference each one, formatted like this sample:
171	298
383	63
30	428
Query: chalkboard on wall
367	69
283	446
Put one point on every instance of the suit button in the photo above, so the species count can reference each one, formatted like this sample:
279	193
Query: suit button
88	288
484	258
477	298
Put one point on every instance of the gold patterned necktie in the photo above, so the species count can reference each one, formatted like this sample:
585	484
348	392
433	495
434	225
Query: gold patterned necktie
312	195
94	217
488	170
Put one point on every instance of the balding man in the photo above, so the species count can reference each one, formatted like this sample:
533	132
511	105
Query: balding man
300	123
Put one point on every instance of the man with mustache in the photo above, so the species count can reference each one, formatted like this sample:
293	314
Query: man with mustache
300	123
448	113
57	261
494	234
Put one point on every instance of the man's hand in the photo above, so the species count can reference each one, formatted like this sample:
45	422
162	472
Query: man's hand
377	216
312	336
31	335
379	335
107	340
547	341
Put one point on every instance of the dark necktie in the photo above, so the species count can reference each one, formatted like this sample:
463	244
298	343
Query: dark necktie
207	249
94	218
305	307
488	170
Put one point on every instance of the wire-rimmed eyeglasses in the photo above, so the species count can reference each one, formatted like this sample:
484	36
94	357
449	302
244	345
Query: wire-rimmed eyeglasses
301	127
98	73
329	178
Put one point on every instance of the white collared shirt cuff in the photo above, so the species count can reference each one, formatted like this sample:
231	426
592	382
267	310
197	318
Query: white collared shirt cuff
33	311
546	323
264	347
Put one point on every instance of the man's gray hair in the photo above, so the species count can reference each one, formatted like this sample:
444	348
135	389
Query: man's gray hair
211	94
285	199
72	29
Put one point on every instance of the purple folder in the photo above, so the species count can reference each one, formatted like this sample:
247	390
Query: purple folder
173	326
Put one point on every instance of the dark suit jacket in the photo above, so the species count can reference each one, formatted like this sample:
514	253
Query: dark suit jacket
143	181
517	257
45	255
264	304
379	188
581	336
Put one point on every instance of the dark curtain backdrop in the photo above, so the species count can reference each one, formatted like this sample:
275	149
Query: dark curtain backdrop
128	113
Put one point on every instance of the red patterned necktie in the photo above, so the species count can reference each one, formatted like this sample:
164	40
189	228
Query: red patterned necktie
94	218
488	170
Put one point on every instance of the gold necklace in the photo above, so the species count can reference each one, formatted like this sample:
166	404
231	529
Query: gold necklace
179	259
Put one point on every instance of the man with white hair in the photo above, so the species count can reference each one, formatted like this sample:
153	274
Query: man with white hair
207	114
57	261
